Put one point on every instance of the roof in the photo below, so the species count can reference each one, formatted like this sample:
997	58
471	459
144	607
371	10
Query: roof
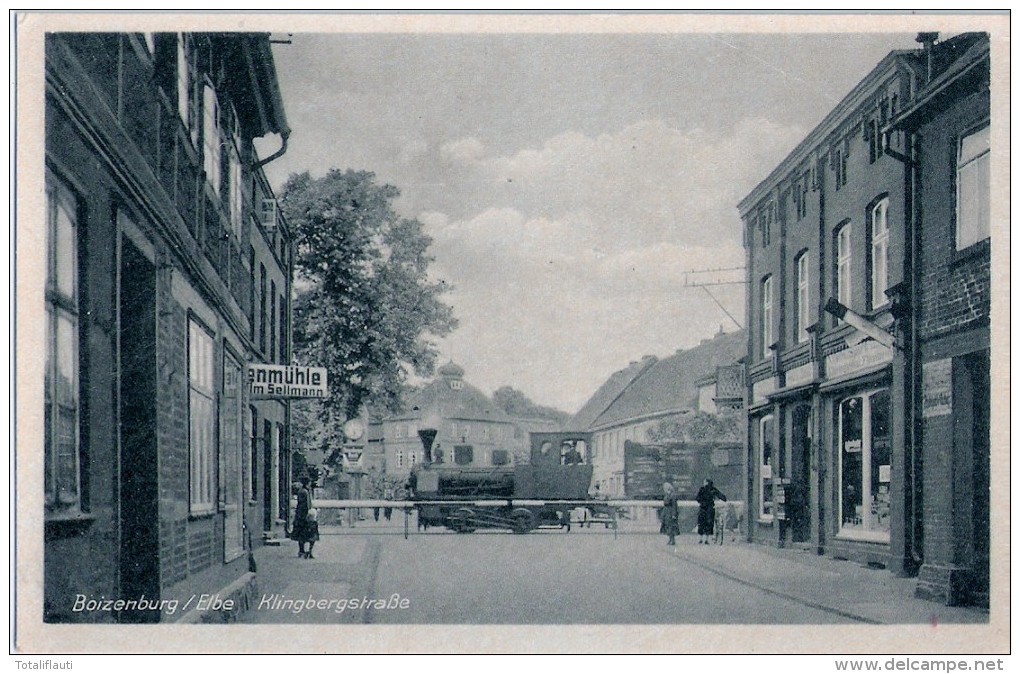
449	397
832	122
974	52
670	384
607	393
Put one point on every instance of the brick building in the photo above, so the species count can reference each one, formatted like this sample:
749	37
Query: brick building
832	462
948	161
169	269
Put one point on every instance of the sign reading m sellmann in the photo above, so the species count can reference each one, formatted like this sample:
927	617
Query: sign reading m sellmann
286	381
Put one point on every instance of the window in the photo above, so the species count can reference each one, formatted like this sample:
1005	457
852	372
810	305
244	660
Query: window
463	455
865	465
398	431
973	220
186	78
231	488
251	293
803	296
284	351
236	200
500	457
62	395
262	307
272	322
400	458
202	419
253	464
766	457
766	316
879	253
211	138
843	265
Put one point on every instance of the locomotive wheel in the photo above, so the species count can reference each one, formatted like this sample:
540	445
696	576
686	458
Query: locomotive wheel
460	522
523	521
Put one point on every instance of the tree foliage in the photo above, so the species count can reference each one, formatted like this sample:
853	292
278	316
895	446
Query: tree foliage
518	405
700	427
365	307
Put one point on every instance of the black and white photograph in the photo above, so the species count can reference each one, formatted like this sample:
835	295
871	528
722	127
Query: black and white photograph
500	333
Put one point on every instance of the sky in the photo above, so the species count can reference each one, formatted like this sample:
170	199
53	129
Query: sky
570	182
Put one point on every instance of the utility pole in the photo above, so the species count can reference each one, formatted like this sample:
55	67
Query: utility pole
718	276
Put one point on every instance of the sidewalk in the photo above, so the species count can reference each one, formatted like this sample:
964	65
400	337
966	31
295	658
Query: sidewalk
869	595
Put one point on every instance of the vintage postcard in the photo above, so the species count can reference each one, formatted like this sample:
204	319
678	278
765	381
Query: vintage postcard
512	333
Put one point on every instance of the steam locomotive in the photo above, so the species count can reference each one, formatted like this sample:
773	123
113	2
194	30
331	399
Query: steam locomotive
460	494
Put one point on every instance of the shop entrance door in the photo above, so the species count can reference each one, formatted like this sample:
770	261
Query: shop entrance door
979	384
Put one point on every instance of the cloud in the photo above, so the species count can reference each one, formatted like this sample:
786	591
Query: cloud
574	256
463	151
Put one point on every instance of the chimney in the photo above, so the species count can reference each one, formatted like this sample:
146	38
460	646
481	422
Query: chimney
928	41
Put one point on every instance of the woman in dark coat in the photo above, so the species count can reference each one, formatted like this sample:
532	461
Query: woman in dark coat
305	529
670	514
706	510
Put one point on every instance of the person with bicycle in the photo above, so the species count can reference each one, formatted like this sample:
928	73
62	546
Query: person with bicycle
706	510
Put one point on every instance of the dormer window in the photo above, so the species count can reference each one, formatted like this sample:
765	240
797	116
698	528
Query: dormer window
456	385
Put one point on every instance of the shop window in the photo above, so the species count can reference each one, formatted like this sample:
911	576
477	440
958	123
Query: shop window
865	465
202	419
879	253
62	395
973	195
766	462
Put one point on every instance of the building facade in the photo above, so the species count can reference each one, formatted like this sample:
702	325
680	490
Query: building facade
638	400
169	270
947	163
471	429
832	463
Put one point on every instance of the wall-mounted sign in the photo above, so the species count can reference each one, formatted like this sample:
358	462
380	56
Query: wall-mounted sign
863	356
937	388
800	375
286	381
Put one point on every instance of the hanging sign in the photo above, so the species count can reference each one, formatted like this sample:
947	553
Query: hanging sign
286	381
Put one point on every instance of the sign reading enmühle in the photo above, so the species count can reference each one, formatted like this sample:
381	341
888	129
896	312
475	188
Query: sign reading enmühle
286	381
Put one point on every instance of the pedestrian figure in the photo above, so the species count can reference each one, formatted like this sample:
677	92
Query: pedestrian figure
388	511
306	527
706	510
670	514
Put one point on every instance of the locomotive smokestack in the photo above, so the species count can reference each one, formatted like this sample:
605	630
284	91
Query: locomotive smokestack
428	436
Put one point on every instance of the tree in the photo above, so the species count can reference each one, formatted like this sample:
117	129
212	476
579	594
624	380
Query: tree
365	309
700	427
518	405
